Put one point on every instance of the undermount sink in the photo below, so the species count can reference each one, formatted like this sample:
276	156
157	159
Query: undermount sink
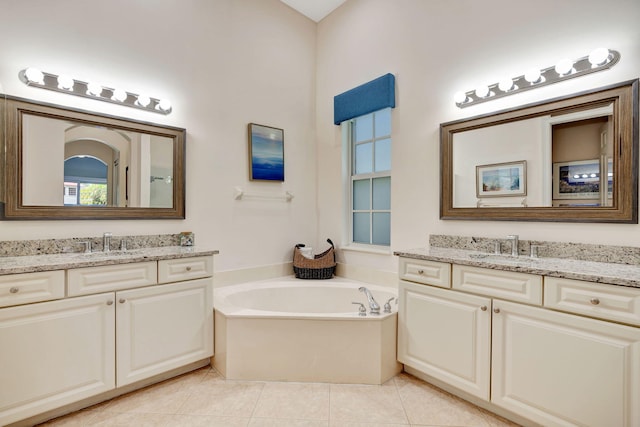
107	254
502	258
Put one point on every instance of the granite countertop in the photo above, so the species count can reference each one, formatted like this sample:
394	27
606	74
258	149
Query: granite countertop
35	263
590	271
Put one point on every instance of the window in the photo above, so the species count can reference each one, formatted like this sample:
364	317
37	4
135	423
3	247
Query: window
369	183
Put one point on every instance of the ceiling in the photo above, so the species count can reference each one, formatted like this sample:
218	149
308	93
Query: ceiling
314	9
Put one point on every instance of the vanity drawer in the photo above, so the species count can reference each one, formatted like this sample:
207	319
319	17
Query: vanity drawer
609	302
106	278
508	285
179	269
25	288
427	272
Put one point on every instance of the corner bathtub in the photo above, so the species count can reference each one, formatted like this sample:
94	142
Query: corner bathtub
304	330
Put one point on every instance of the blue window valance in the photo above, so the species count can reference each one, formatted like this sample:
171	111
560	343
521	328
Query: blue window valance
364	99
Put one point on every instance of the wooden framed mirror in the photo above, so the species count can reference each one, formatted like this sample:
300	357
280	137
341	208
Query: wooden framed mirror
571	159
63	163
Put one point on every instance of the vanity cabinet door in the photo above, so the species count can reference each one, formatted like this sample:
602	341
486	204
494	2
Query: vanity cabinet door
58	352
163	327
559	369
446	335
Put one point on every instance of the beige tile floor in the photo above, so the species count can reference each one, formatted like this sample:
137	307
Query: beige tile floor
204	398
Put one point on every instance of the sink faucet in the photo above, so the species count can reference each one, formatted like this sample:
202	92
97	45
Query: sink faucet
514	244
373	305
106	242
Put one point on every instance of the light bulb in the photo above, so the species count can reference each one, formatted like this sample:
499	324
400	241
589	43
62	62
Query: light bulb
564	67
482	91
65	82
119	95
460	97
143	100
506	84
593	175
599	56
532	75
34	75
94	89
164	105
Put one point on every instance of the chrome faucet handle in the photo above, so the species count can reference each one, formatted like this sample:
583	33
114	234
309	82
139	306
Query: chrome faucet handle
535	251
387	305
106	242
123	245
362	310
87	246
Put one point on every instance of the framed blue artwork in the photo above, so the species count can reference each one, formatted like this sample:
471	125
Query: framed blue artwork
266	153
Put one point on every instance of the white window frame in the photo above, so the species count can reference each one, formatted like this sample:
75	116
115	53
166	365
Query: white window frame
348	149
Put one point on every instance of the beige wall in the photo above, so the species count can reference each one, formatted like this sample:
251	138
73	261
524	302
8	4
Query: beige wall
223	64
436	48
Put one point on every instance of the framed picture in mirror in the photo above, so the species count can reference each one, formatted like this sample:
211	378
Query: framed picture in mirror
501	179
266	153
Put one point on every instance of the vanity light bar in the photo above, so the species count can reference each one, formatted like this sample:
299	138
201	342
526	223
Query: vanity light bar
598	60
65	84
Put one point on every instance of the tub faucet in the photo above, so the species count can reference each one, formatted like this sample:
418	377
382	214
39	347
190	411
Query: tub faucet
373	305
514	244
106	242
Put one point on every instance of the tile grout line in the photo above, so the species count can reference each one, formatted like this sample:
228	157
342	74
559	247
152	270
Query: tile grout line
395	383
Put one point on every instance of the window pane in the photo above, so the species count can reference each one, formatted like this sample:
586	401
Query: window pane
364	158
382	228
382	193
383	123
361	194
383	155
363	128
361	227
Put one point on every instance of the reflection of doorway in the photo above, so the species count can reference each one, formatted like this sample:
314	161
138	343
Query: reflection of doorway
578	137
85	181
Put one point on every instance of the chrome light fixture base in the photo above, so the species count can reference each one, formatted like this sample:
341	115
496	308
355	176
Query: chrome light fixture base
64	84
581	66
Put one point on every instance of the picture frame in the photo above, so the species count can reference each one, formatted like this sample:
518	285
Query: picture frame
266	153
580	179
501	179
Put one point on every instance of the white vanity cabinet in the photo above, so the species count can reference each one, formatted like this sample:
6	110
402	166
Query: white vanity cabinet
115	327
549	367
560	369
55	353
162	327
446	335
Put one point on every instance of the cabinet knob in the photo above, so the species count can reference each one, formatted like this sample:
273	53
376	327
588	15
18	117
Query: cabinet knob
420	271
483	308
110	302
594	301
188	268
496	310
122	300
14	290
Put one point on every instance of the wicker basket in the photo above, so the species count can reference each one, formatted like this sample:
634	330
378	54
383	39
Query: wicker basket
322	266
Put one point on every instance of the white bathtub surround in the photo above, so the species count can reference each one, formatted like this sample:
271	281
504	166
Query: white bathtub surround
304	330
